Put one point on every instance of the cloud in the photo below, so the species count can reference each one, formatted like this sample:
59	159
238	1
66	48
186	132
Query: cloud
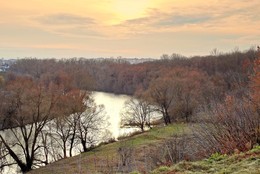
156	22
79	31
138	21
176	17
178	20
226	17
68	25
65	19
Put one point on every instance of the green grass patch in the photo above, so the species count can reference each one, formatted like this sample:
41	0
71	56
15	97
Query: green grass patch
216	157
161	169
243	163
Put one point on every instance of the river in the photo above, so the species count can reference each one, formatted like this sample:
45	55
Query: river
113	105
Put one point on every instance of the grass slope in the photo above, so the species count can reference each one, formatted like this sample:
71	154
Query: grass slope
106	155
242	163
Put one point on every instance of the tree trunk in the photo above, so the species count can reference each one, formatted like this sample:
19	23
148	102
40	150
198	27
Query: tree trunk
164	118
142	127
71	144
24	167
64	149
83	142
168	119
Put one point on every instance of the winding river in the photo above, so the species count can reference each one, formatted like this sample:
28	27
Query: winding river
114	106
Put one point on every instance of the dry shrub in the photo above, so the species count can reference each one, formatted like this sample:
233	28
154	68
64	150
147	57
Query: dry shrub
233	125
126	157
175	149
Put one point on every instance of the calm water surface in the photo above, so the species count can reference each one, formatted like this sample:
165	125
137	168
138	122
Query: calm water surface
114	107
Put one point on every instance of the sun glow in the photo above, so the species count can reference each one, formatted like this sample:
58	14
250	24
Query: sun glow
130	9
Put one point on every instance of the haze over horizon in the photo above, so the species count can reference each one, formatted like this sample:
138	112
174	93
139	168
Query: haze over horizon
127	28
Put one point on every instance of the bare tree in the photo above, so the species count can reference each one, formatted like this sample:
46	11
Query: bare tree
64	128
83	126
3	157
162	95
126	156
91	124
61	132
28	107
46	152
78	107
138	113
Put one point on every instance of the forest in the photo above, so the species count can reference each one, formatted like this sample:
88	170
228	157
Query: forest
46	100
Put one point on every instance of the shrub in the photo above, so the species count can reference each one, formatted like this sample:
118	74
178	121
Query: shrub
163	169
217	157
230	126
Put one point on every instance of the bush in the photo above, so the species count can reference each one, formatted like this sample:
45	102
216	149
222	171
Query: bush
231	126
217	157
163	169
256	149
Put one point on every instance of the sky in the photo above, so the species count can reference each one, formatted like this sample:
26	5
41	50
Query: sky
127	28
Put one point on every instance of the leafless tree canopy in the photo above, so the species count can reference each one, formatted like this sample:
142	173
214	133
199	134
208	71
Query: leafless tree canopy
138	112
38	114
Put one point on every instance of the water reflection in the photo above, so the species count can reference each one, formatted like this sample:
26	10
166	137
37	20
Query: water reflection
114	106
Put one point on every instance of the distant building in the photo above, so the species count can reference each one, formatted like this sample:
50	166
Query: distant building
5	64
123	60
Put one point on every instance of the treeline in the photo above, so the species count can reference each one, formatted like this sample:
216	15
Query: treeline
194	81
127	79
181	86
121	77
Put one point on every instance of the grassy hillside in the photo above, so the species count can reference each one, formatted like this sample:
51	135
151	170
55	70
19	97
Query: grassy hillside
105	158
242	163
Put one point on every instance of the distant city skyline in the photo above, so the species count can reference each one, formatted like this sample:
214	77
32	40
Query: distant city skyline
127	28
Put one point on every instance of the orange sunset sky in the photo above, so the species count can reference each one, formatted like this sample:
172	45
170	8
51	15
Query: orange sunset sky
127	28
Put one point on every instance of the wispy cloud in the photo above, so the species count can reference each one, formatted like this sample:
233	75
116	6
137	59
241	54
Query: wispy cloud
70	25
179	20
65	19
79	31
227	16
157	21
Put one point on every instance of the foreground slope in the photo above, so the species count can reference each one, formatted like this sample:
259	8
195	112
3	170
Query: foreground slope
241	163
105	159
